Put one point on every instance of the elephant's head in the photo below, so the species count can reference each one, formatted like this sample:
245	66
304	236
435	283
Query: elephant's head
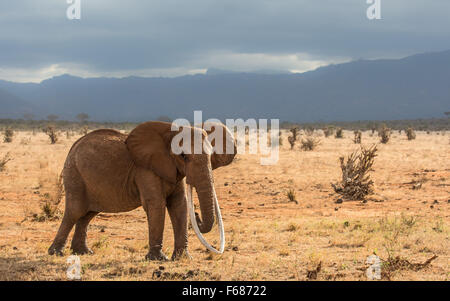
150	147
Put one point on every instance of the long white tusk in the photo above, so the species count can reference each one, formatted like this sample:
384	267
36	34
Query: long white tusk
195	226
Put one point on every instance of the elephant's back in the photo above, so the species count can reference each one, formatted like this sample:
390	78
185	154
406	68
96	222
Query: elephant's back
102	160
98	148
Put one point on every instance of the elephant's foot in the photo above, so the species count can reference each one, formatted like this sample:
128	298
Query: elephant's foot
156	254
81	250
55	250
181	253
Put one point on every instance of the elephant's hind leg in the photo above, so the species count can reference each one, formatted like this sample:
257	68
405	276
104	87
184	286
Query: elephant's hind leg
76	208
60	239
79	240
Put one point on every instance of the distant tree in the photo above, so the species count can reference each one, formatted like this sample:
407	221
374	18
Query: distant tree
447	114
52	117
28	116
51	133
82	117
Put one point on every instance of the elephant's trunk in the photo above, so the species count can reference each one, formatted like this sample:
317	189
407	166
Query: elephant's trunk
208	205
206	198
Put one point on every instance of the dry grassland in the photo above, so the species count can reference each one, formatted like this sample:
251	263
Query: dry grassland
268	236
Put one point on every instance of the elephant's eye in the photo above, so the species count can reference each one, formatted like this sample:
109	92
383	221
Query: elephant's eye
185	158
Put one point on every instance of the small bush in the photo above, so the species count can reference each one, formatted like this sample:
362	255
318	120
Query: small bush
84	130
292	227
291	196
101	243
69	134
385	134
25	141
410	134
294	136
309	131
49	209
291	141
51	133
339	133
309	144
329	131
5	159
49	212
358	136
356	183
294	132
8	135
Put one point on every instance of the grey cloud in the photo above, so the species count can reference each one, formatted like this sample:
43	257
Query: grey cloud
113	36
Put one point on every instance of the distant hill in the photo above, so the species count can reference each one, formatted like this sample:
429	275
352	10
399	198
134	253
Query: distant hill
215	71
13	106
413	87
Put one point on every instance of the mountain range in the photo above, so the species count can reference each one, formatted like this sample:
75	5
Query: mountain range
417	86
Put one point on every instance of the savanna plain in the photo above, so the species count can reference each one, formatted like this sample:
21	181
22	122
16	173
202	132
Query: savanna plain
282	222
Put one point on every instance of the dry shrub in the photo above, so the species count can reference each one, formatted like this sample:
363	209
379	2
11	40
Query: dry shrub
5	159
417	184
410	134
84	130
395	230
309	131
393	264
294	136
294	132
385	133
312	274
69	134
291	141
51	133
356	183
25	141
159	274
339	133
292	227
328	131
291	196
8	135
358	136
49	208
309	144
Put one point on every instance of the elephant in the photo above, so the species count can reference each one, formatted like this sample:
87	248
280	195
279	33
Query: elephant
107	171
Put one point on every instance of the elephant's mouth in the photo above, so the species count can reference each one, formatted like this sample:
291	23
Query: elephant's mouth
195	225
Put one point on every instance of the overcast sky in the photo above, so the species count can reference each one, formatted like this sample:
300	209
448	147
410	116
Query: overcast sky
118	38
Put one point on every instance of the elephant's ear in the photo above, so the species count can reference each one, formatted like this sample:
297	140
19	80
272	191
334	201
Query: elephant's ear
149	146
217	131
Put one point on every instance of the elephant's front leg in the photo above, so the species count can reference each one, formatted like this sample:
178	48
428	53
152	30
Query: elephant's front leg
156	212
154	204
177	207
